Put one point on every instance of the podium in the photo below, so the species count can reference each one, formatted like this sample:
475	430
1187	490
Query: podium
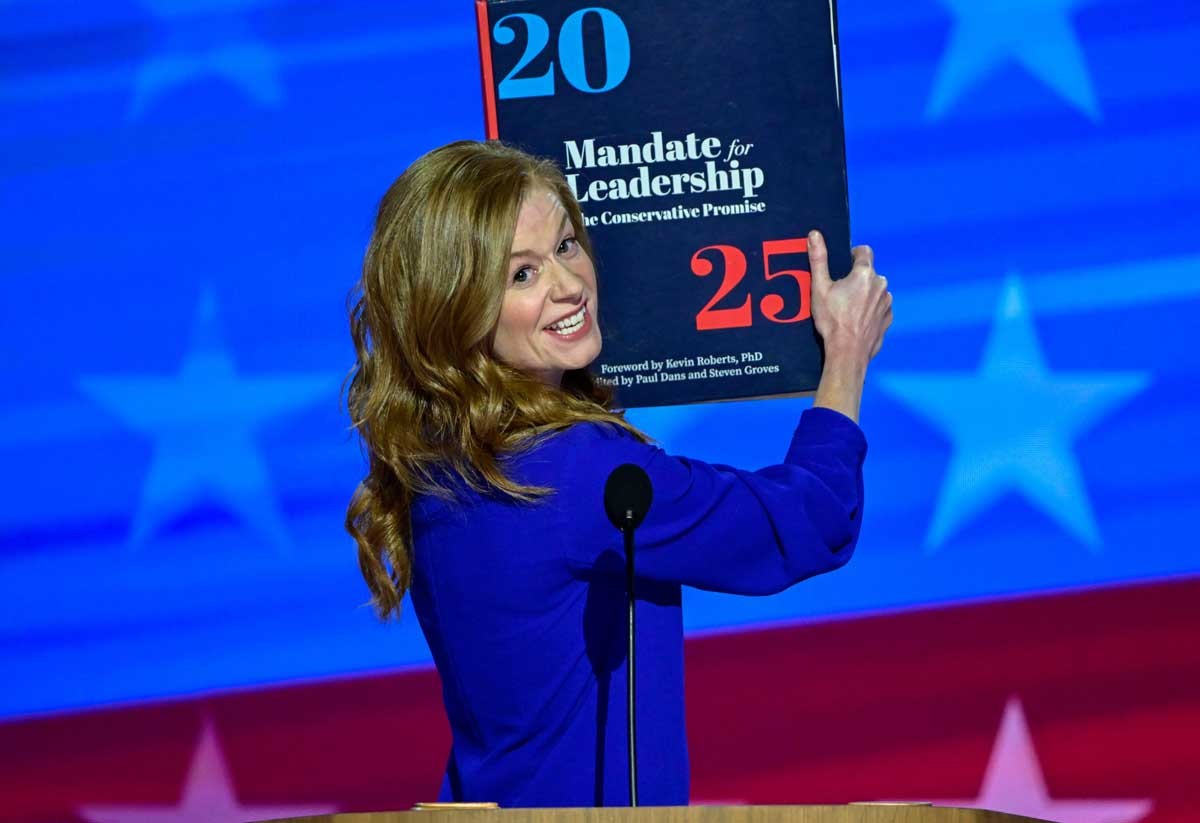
853	813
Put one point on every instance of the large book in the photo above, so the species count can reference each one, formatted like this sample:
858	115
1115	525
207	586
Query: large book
703	139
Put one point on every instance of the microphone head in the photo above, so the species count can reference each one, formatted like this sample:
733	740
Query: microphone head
627	496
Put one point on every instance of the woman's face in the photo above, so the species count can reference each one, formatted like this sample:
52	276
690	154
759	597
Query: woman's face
548	320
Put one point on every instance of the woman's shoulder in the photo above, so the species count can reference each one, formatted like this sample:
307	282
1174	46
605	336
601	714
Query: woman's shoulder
567	451
595	431
589	442
571	459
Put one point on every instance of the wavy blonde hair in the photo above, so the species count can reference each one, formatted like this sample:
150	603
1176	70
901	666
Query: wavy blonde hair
427	395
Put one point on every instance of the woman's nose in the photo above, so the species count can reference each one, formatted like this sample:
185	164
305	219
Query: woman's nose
568	286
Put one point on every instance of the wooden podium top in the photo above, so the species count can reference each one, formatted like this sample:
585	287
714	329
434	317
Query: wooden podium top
853	813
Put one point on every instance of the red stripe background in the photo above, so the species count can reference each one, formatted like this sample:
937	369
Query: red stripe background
893	706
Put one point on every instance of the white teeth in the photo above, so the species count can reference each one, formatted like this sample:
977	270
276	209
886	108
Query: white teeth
569	325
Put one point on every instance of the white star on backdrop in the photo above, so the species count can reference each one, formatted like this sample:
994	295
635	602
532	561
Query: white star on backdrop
207	38
1014	783
1036	34
203	422
207	797
1013	423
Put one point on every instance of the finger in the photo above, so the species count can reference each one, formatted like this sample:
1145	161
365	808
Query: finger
863	256
818	258
882	334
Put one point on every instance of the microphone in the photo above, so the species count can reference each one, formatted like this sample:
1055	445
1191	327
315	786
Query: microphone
627	496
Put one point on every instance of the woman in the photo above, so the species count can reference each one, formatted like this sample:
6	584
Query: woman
489	445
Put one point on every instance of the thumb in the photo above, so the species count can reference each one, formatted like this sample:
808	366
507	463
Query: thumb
818	260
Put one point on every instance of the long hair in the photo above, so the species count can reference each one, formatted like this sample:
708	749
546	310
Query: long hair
433	406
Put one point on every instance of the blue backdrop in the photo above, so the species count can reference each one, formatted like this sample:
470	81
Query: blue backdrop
187	191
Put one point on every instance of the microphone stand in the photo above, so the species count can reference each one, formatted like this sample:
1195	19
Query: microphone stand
627	497
631	658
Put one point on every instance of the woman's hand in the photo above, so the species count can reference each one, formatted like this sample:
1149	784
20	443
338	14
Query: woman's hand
851	315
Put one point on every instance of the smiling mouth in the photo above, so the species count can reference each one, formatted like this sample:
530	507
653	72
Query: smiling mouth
570	325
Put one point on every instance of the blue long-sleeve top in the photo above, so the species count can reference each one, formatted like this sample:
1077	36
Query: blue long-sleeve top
524	605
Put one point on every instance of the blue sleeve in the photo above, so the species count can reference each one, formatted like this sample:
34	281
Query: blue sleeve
723	529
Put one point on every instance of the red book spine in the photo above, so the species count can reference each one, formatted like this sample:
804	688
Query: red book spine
485	64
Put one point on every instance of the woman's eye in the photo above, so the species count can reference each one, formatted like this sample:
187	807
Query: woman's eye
522	275
568	245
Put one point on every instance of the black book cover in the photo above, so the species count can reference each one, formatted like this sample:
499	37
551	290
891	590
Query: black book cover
703	139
